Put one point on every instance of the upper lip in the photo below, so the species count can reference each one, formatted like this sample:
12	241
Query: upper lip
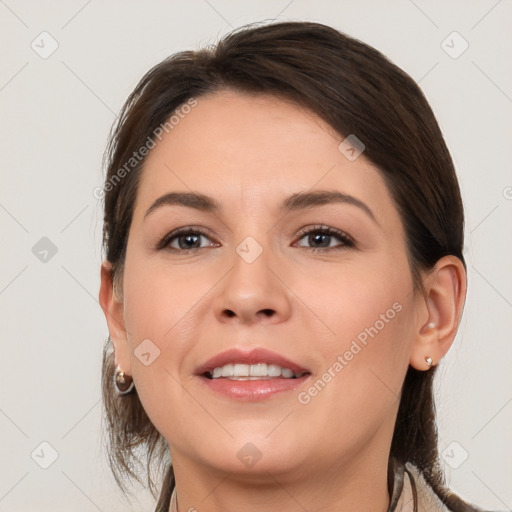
254	356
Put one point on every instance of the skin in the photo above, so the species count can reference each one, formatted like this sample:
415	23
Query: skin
250	153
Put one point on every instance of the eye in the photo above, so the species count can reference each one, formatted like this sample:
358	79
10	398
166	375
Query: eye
321	238
185	239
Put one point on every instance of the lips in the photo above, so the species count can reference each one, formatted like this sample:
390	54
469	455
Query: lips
254	356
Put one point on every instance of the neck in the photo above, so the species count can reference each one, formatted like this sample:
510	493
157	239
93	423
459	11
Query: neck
356	485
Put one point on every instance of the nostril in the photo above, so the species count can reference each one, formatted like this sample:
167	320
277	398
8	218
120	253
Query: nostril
268	312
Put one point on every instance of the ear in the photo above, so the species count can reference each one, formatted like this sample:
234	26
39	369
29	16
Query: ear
113	309
440	312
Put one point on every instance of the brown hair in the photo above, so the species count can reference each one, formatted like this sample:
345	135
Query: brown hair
355	89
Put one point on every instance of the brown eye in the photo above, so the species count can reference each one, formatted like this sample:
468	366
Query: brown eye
322	238
190	241
185	239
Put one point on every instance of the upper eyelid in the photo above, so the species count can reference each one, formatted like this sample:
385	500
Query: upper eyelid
328	229
302	231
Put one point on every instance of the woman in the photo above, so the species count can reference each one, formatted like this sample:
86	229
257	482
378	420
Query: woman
283	273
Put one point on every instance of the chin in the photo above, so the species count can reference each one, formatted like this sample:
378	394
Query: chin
253	455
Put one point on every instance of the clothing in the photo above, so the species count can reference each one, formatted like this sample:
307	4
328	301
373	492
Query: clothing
411	493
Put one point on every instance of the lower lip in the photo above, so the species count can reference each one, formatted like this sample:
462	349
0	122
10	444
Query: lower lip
252	390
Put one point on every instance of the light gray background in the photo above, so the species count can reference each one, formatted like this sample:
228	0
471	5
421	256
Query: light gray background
55	117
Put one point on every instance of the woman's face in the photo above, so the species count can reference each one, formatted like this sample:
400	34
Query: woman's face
338	301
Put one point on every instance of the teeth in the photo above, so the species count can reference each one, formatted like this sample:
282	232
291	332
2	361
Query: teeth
252	372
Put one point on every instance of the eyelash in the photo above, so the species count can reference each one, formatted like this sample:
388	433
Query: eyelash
345	239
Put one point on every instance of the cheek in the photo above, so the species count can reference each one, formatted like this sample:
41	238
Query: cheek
367	325
164	316
161	298
361	300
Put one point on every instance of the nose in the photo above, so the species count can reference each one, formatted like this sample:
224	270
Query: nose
253	291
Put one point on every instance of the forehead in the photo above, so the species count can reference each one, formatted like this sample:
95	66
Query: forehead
252	151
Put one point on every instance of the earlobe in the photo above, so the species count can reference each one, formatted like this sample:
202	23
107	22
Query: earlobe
114	313
445	294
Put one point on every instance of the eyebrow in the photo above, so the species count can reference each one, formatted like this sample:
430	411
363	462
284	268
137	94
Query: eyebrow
189	199
303	200
298	201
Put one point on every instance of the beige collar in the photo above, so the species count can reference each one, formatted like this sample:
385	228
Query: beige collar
174	506
417	494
